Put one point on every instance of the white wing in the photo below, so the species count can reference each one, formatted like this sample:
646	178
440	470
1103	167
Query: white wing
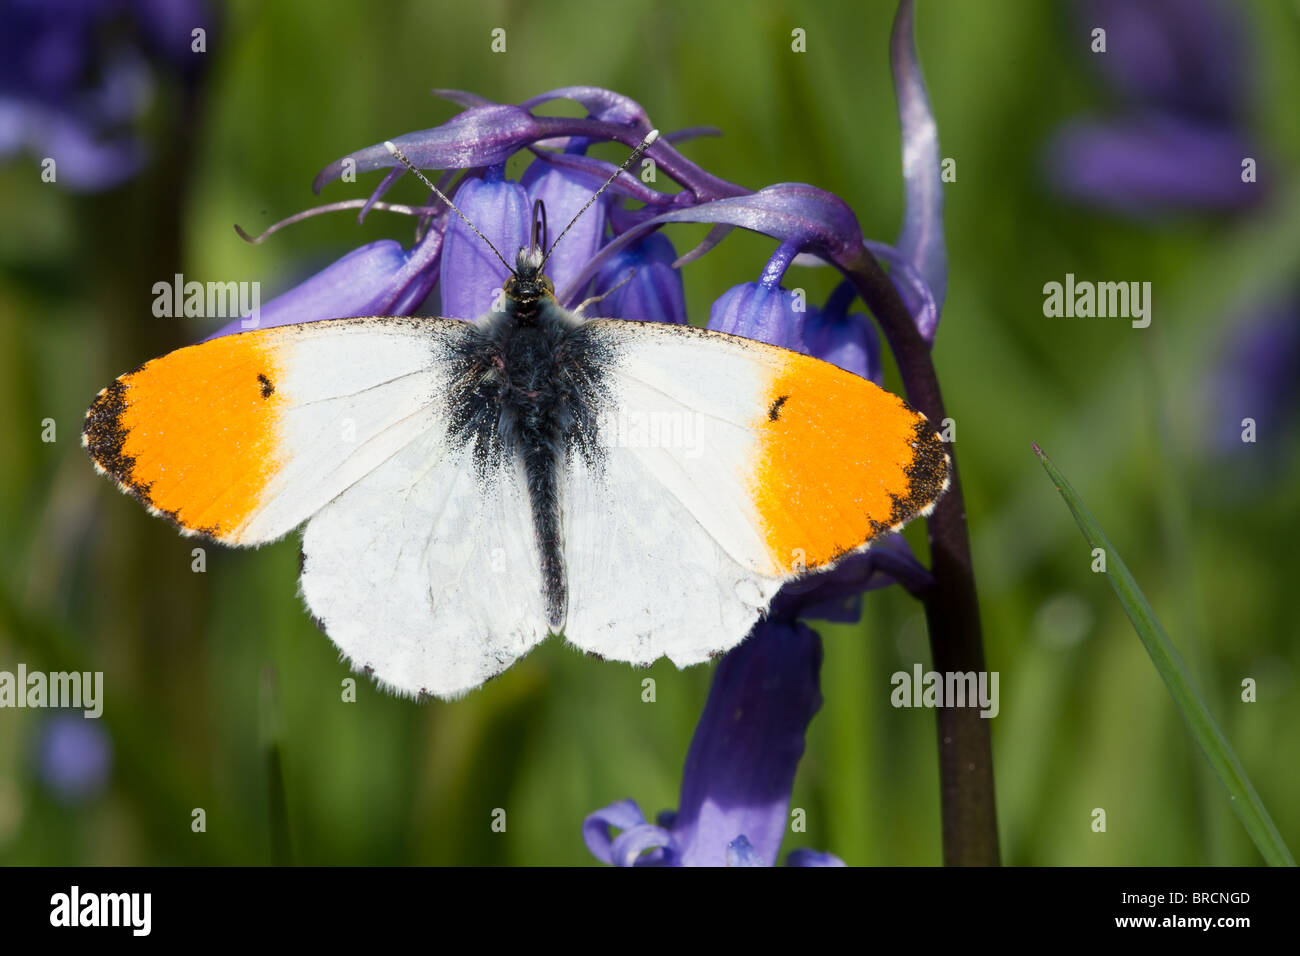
425	572
727	468
419	562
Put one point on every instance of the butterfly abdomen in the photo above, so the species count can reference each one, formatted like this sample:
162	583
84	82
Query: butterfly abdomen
529	391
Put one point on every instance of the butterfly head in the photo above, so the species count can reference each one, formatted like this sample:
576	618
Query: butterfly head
529	285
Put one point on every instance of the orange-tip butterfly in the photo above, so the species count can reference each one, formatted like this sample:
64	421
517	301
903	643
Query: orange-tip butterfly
470	487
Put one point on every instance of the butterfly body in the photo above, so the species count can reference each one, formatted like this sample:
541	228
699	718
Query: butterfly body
526	385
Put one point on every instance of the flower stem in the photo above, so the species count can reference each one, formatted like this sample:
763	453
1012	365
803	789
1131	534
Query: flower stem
970	827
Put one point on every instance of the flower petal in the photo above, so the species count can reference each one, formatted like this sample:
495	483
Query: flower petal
604	105
654	293
480	136
564	191
637	836
836	593
849	341
921	239
911	287
812	858
756	311
742	759
629	847
380	278
811	218
471	274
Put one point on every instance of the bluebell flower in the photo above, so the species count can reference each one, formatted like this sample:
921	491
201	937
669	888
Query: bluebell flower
642	283
739	771
741	764
1178	140
563	191
472	275
76	77
742	760
74	757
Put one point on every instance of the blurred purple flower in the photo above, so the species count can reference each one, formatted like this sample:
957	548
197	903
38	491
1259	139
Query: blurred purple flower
1177	67
1152	163
77	75
1184	57
1258	378
74	757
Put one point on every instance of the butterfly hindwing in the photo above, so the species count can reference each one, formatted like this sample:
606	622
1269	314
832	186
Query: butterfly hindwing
425	573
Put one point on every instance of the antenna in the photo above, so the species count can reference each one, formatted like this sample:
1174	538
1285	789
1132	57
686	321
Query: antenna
539	214
650	137
401	158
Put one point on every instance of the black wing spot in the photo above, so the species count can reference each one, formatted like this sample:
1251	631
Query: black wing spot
774	413
267	387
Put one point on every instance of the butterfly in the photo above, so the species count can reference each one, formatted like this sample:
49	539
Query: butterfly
469	488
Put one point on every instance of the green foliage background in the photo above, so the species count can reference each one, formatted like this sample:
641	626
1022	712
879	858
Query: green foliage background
211	678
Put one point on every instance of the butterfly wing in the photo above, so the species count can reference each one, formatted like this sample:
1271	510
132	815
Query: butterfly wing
425	573
727	468
419	561
242	438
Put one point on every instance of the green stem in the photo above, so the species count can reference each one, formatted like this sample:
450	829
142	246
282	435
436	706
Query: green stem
970	826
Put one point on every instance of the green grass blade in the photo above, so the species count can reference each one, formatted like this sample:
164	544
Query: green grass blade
1245	801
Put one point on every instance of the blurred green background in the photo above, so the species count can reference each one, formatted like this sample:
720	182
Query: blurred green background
222	695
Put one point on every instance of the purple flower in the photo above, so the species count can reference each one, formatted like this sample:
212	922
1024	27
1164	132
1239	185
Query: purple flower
741	764
1152	164
757	310
740	768
1258	379
74	757
471	273
848	340
76	76
1178	143
642	283
563	191
610	242
1179	56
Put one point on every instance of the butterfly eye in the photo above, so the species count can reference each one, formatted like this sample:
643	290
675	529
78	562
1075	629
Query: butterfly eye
548	285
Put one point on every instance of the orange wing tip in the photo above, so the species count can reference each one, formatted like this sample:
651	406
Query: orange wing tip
104	436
